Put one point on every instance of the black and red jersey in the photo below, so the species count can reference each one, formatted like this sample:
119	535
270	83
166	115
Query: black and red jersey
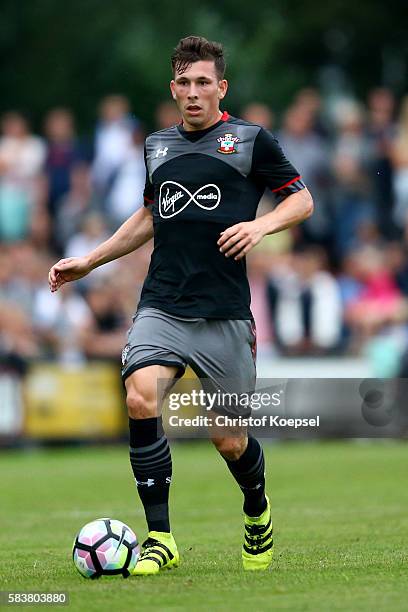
198	184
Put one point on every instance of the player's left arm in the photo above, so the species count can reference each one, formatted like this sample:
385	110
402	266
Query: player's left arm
239	239
273	170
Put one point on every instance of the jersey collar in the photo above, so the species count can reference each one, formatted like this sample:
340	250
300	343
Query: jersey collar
197	134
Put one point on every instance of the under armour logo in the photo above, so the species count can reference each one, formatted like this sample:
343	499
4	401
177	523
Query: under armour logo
258	486
149	482
162	152
174	198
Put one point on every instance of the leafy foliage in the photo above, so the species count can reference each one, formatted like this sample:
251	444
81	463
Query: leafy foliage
74	53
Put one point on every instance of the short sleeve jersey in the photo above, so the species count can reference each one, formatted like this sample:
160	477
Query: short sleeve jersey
198	184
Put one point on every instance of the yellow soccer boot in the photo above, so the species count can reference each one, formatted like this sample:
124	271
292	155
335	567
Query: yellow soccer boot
159	552
257	550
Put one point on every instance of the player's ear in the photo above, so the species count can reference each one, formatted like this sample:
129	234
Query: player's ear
222	88
173	89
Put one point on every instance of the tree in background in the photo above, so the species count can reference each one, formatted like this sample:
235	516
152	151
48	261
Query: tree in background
76	52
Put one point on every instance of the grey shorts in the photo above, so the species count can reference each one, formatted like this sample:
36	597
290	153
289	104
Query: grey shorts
216	349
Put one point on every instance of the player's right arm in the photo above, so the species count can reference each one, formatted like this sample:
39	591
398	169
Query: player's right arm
134	232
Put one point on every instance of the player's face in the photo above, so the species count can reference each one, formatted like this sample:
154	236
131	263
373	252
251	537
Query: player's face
198	92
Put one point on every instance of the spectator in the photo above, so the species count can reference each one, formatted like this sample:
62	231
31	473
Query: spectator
260	114
13	288
22	157
113	141
400	164
17	338
397	258
353	190
309	154
73	206
260	263
310	100
104	335
93	231
380	134
126	194
30	267
128	278
59	321
378	299
63	153
305	304
167	115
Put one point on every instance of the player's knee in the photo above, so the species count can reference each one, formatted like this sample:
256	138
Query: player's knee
140	405
230	448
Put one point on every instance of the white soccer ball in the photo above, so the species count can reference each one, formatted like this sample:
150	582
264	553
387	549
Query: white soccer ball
105	547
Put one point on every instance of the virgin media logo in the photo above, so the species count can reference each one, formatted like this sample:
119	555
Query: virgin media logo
174	198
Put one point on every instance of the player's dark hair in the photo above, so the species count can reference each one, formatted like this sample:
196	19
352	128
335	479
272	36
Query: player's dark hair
194	49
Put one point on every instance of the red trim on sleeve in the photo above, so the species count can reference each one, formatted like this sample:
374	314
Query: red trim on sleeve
287	184
148	200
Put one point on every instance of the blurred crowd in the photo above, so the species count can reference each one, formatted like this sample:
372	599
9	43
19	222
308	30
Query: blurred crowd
337	284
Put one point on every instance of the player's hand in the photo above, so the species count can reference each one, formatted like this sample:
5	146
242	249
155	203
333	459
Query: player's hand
66	270
236	241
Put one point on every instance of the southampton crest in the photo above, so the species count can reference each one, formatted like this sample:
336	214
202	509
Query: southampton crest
227	144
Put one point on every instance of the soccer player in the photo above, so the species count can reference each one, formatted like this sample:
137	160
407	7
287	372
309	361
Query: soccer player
204	179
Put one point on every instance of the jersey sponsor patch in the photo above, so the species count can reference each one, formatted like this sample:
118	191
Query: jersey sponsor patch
227	144
174	198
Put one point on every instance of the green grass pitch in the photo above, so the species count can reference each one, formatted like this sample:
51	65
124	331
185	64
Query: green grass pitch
340	511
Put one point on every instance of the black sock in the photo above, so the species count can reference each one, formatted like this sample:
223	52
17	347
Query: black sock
150	459
249	472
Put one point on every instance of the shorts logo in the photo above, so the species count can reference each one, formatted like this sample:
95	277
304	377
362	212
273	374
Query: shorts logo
227	144
174	198
125	354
